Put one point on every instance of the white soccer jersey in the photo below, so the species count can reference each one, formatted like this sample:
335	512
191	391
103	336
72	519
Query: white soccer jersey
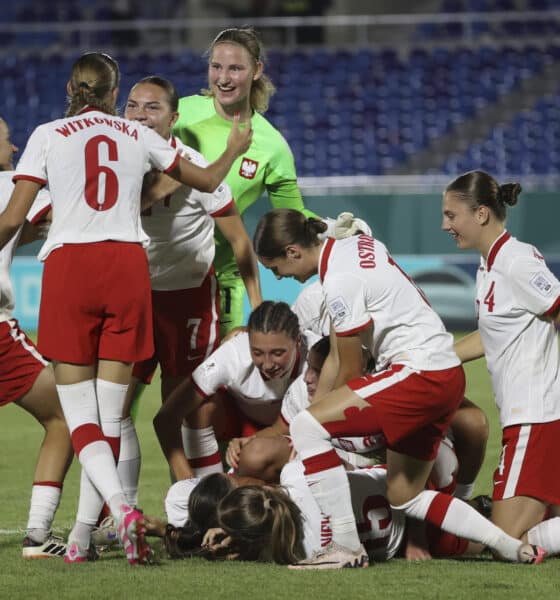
515	289
181	231
363	286
39	207
296	399
381	531
94	164
230	366
310	309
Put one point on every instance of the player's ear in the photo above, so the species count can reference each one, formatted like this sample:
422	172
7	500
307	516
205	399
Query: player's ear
482	214
292	251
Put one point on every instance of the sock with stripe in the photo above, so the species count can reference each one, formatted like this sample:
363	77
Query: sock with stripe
326	478
457	517
201	448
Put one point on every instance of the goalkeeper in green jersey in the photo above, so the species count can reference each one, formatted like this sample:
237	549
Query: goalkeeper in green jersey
237	84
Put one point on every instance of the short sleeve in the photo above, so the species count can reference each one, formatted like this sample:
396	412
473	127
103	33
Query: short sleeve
295	400
220	368
160	153
32	165
535	287
346	303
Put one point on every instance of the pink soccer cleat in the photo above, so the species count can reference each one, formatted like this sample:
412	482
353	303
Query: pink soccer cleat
76	554
131	530
531	554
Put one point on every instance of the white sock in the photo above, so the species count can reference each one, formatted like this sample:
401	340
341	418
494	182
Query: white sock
129	461
546	535
110	400
457	517
326	478
201	448
464	491
79	404
45	498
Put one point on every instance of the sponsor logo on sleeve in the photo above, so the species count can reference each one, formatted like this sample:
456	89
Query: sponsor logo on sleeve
541	283
338	308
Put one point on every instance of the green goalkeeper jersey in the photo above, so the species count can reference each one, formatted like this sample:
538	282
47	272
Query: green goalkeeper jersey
267	165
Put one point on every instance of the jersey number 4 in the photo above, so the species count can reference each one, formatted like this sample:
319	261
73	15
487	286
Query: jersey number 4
102	184
489	298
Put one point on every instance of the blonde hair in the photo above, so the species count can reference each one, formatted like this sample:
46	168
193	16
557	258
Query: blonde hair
94	76
263	522
261	89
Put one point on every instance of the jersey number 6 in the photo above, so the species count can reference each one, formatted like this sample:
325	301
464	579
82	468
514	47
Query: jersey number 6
102	184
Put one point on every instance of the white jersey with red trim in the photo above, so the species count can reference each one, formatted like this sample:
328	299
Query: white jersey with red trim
296	399
380	530
310	309
181	231
40	206
230	367
364	287
94	164
515	290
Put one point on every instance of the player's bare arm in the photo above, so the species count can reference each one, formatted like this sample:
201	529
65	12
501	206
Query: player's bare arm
469	347
14	216
231	226
207	179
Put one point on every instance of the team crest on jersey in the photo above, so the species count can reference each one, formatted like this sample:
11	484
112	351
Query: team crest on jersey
248	168
541	283
338	308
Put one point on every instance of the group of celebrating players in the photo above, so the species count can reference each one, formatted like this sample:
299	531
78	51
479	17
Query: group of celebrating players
350	439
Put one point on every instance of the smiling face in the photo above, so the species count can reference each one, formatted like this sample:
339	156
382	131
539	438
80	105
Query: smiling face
231	72
7	149
462	221
298	263
273	353
148	104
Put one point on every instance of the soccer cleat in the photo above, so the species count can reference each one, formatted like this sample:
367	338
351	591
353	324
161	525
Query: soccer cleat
531	554
334	556
131	530
76	554
52	546
105	536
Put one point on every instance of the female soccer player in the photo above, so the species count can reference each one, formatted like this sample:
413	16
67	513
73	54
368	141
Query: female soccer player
411	397
26	380
518	303
237	84
180	254
254	368
95	314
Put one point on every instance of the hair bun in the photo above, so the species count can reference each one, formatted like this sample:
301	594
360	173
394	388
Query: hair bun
508	193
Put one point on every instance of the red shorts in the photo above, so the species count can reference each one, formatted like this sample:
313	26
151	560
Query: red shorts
20	362
229	422
186	329
529	464
96	304
412	409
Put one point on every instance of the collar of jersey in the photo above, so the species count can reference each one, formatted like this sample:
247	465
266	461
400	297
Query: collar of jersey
88	108
495	248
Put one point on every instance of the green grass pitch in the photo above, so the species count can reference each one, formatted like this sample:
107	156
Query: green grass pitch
111	577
